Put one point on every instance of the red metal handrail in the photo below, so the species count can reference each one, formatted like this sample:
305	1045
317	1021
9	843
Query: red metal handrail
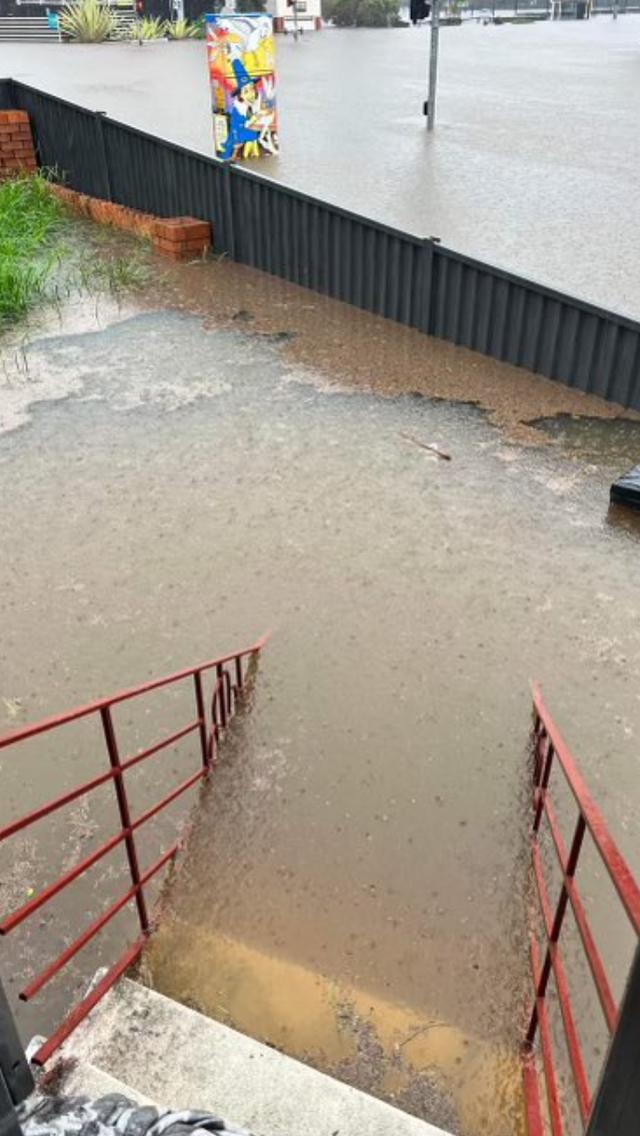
549	751
227	692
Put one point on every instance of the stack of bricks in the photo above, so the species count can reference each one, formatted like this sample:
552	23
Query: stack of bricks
17	153
179	238
182	238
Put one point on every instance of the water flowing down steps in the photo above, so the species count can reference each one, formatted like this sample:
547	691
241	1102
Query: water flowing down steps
141	1043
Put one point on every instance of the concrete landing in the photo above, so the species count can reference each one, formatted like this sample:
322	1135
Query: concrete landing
165	1052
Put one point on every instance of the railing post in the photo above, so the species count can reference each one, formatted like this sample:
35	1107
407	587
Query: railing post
16	1080
616	1106
220	673
125	816
197	678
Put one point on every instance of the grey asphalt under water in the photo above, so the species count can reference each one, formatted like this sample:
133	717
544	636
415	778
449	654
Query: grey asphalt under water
535	164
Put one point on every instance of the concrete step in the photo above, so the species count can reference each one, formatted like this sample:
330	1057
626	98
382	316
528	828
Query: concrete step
86	1080
179	1058
32	28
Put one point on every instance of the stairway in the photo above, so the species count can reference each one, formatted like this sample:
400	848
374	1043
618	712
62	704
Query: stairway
36	29
153	1049
31	29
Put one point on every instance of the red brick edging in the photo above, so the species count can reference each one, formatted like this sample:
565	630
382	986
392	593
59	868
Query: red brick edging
179	238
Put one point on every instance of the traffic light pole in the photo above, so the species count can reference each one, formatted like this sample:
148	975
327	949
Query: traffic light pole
433	65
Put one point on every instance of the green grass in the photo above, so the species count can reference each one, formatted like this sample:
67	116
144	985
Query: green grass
112	274
30	219
45	254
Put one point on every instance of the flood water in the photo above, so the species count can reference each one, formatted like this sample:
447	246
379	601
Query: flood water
534	165
173	484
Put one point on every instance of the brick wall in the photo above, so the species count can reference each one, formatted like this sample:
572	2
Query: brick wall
17	153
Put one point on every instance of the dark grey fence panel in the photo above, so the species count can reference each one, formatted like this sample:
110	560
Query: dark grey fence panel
289	234
66	138
532	326
156	177
7	97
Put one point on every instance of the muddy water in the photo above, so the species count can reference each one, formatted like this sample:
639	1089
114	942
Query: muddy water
177	483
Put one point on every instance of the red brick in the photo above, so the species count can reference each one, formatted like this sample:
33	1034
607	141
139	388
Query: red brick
181	228
171	229
197	246
14	116
168	246
171	254
199	229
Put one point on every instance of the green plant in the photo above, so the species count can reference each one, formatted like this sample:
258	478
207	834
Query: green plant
364	13
251	5
376	13
113	274
30	220
148	27
344	13
181	29
87	21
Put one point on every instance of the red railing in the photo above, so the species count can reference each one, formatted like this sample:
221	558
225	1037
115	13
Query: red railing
231	673
550	751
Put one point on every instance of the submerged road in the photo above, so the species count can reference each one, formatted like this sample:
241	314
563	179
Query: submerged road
534	166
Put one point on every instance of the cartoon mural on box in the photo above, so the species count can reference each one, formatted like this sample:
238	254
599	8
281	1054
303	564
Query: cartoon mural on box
242	74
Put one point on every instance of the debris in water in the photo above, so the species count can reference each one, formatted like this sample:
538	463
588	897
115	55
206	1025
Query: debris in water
14	706
431	446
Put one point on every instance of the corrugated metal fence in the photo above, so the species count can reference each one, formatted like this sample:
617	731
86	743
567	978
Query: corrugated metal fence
261	223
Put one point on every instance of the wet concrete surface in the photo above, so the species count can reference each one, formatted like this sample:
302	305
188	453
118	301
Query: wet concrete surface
534	165
176	477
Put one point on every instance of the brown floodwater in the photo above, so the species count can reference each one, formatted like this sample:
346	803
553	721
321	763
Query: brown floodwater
176	477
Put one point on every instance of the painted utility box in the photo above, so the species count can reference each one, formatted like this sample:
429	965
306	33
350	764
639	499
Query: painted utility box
241	61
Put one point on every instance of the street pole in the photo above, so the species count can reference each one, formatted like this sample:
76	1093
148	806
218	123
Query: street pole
433	65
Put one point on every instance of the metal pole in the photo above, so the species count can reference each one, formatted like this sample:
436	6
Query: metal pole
433	65
197	678
617	1102
125	816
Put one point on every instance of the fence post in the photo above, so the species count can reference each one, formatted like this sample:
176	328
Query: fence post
616	1106
16	1080
230	219
99	116
125	816
428	280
